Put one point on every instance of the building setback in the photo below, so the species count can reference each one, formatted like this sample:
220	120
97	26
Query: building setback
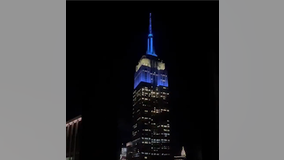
73	138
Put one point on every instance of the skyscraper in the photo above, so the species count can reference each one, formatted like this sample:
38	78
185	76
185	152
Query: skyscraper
151	128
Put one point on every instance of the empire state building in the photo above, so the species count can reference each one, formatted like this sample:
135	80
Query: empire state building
151	123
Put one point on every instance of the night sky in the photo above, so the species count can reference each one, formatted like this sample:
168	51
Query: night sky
105	41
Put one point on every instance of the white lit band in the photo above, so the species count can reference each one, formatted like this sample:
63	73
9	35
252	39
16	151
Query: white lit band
74	121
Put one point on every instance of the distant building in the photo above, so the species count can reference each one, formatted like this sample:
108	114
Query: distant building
182	155
73	138
123	153
129	148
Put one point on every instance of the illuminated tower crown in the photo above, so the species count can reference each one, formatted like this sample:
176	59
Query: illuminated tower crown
150	68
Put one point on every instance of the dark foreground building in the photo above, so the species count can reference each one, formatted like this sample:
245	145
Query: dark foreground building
73	138
151	129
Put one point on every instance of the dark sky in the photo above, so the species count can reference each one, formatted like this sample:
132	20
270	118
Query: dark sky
105	40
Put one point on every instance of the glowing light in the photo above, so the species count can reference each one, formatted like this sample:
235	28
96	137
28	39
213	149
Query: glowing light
74	121
143	62
161	66
183	152
150	46
128	144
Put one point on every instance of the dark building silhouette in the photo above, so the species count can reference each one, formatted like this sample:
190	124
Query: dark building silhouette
151	123
73	138
129	150
123	153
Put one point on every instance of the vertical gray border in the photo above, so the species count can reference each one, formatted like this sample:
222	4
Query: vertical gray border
33	79
251	80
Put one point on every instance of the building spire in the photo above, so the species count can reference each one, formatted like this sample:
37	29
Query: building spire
150	46
183	152
150	24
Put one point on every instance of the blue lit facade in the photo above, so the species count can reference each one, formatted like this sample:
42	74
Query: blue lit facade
152	73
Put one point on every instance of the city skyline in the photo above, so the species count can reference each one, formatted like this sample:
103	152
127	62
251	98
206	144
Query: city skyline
189	50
